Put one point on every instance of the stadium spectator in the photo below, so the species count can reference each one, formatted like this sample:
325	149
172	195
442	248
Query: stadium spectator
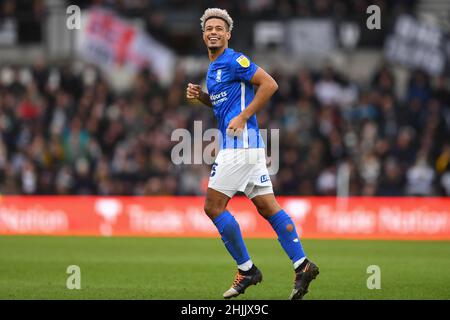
64	131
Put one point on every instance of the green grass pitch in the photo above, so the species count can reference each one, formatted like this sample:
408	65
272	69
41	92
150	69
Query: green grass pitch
33	267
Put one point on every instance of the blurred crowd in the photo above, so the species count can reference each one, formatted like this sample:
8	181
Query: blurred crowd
64	131
175	23
387	145
258	9
21	21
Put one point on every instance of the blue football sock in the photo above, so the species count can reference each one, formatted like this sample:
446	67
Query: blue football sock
287	235
231	236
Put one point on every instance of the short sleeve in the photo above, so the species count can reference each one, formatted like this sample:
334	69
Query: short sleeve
243	68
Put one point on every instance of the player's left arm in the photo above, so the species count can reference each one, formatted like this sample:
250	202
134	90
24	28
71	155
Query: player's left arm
267	87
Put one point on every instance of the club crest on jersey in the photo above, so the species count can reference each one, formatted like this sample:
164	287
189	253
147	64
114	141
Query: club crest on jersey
243	61
219	75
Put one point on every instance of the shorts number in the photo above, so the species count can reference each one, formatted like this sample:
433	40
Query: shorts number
213	169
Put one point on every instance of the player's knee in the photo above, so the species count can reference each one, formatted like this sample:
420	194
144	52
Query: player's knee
263	210
267	209
212	209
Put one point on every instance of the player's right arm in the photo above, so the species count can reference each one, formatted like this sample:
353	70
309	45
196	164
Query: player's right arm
194	91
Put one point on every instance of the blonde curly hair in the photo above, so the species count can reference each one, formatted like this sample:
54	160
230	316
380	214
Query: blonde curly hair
216	13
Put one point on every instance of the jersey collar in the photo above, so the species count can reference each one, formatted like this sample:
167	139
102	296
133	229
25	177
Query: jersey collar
221	55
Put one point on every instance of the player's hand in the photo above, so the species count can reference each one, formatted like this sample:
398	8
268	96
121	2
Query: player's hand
193	91
236	126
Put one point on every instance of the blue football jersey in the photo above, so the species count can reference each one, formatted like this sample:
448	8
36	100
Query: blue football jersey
230	91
